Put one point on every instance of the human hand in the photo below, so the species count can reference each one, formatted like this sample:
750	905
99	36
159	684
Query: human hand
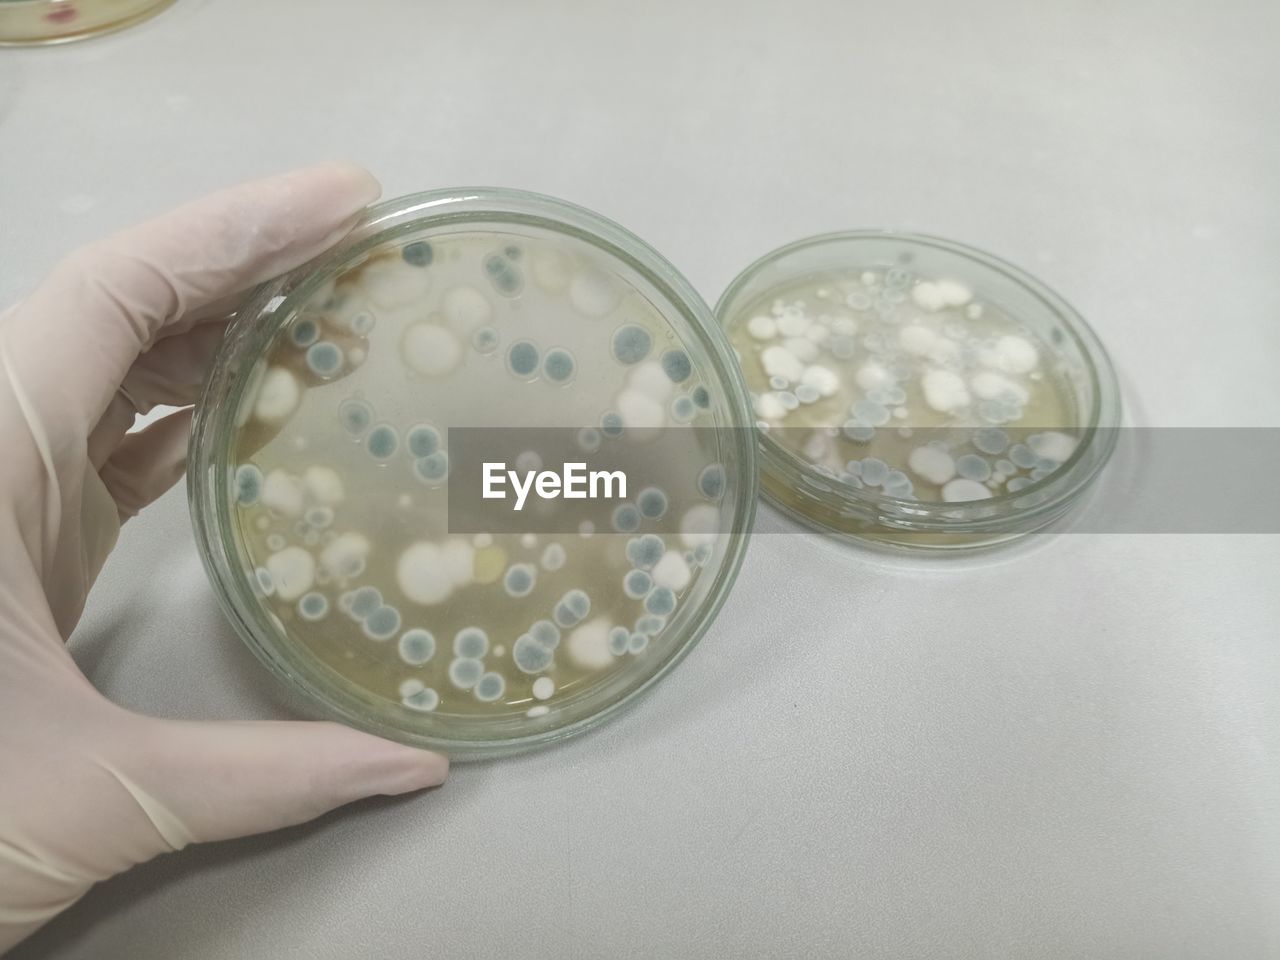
88	789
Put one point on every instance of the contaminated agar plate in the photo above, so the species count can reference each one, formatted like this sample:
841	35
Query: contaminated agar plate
914	391
386	462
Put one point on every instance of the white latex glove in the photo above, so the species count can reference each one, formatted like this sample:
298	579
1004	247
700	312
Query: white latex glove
88	789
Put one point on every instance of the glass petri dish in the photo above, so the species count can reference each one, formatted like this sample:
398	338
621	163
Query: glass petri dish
24	22
916	392
337	472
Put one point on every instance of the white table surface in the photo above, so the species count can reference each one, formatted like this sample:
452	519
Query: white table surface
1067	749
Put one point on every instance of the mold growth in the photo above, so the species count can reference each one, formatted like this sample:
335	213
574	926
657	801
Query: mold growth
910	386
342	466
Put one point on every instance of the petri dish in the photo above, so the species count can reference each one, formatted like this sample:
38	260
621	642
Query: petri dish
24	22
338	472
916	392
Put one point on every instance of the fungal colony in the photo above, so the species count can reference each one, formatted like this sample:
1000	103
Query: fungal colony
907	386
342	471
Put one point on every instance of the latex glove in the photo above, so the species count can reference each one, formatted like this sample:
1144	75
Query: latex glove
88	789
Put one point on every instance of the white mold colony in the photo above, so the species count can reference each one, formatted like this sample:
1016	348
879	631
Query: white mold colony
342	463
911	386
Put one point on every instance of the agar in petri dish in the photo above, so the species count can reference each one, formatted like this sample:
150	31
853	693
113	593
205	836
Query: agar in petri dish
895	378
336	549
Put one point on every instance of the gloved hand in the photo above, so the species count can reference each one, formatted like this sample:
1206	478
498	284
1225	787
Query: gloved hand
88	789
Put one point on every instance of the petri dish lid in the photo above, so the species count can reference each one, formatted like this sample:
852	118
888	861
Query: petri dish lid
915	392
457	344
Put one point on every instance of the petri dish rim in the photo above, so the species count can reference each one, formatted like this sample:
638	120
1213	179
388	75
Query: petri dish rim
973	523
100	29
256	325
